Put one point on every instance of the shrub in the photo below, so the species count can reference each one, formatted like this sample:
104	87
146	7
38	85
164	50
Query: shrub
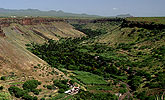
27	97
36	91
62	84
71	82
49	87
16	91
123	85
135	82
3	78
42	99
1	87
123	91
31	84
35	98
61	90
124	46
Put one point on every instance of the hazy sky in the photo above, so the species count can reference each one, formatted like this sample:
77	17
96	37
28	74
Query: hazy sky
98	7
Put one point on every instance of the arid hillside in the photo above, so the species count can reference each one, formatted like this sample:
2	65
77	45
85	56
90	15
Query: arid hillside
15	33
16	60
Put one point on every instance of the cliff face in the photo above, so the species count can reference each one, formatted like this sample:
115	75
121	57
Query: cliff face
5	22
51	28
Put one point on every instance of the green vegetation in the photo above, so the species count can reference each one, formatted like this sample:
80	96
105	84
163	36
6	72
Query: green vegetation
127	67
1	87
66	53
89	32
17	92
91	96
158	20
89	78
5	96
3	78
100	87
147	24
59	96
31	85
28	86
62	85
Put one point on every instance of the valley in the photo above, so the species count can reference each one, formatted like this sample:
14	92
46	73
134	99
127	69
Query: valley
107	58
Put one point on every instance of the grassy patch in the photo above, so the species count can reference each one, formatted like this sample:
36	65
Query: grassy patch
99	87
89	78
16	83
59	96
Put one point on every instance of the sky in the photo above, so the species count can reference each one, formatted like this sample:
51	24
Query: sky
138	8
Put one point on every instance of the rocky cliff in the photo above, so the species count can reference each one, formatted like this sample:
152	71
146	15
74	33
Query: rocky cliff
4	22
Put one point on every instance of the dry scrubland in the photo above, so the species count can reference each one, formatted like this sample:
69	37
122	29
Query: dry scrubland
158	20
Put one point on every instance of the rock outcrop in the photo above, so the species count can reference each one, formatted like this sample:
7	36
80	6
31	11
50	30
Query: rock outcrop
5	22
1	32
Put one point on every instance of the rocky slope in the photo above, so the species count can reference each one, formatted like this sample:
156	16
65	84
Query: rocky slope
15	59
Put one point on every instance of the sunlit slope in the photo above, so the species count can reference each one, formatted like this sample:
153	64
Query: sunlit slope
16	60
41	32
157	20
116	35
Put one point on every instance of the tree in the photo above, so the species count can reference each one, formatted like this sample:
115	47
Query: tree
49	87
42	99
16	91
135	82
3	78
123	91
36	91
27	97
1	87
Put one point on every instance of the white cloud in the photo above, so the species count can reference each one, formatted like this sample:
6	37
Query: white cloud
115	8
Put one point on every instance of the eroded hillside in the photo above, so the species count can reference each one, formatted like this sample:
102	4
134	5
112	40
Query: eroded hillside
17	64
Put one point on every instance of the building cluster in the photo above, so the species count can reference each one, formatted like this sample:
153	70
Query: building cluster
73	91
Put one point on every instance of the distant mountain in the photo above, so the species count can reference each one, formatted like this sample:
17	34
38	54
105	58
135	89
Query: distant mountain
124	15
36	12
